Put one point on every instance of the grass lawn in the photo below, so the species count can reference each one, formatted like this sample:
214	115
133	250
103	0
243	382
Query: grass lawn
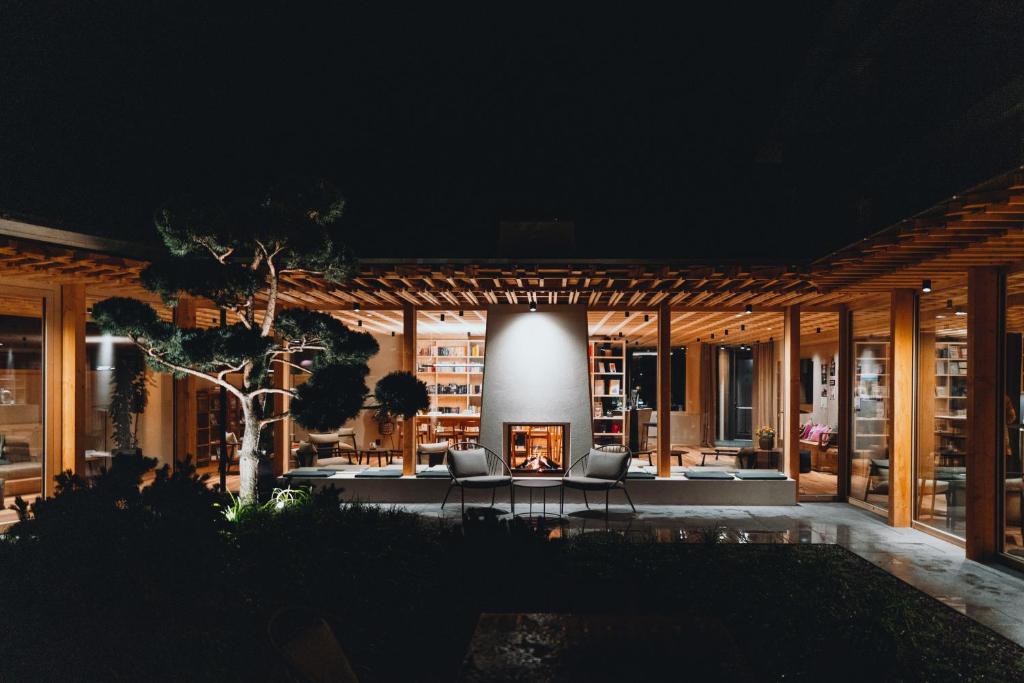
173	601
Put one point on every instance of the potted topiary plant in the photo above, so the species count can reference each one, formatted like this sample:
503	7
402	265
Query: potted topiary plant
766	437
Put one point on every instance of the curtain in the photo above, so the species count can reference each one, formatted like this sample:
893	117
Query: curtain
708	394
765	410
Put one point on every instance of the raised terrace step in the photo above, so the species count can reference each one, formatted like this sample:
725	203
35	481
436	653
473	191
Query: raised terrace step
676	490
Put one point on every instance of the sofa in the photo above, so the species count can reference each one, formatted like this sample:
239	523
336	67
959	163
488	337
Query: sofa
822	443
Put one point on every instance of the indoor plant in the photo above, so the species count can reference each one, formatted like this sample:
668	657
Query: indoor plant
128	399
766	437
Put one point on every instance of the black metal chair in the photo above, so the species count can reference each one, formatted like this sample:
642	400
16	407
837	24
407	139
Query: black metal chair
473	466
602	468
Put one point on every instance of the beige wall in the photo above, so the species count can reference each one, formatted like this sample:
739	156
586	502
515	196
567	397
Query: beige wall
822	354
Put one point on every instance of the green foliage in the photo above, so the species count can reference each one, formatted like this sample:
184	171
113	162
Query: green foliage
226	284
339	344
400	393
129	396
333	395
130	318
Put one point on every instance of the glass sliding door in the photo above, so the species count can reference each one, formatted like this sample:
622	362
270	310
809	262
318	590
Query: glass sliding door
1013	407
871	407
941	454
22	401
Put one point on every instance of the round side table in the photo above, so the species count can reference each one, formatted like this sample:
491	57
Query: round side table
542	483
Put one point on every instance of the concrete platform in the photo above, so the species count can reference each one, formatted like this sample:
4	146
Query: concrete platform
675	490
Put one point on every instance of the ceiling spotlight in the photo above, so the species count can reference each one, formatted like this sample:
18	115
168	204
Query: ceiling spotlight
626	314
727	332
359	323
743	328
818	330
467	335
647	318
442	317
926	286
461	313
949	304
392	333
712	335
533	306
698	338
749	309
620	334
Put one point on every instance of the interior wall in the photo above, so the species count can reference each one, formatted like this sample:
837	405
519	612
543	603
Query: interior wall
824	410
156	424
537	371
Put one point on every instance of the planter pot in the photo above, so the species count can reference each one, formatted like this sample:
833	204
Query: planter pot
766	442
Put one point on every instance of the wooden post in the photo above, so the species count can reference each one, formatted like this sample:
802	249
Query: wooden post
984	405
903	316
72	384
409	365
282	379
664	400
844	390
185	432
791	393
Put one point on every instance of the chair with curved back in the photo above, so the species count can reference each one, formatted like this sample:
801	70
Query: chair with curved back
602	468
473	466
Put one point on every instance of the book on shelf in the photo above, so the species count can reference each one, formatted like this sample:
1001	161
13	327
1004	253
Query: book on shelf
612	367
614	387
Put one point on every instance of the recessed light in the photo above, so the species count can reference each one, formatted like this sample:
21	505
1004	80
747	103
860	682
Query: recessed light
357	307
749	309
926	286
533	306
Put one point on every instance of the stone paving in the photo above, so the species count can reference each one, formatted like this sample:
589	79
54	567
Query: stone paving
991	595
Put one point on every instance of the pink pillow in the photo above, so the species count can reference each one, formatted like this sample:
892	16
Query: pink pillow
805	430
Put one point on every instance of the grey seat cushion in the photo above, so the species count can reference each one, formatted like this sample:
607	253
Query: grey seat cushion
707	474
760	474
640	474
589	483
483	481
470	462
605	465
380	473
436	472
310	472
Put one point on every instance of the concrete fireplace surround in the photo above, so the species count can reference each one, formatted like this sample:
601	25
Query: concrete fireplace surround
537	372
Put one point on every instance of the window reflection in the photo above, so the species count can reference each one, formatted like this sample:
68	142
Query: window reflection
872	407
1013	406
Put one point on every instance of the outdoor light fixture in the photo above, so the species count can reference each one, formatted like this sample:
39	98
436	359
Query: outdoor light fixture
712	335
743	328
533	306
749	309
727	332
818	330
647	318
626	314
461	313
359	323
698	338
926	286
392	333
442	317
356	307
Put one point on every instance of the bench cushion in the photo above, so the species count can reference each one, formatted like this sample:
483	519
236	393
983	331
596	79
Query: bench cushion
707	474
380	473
589	483
761	474
310	472
435	472
484	481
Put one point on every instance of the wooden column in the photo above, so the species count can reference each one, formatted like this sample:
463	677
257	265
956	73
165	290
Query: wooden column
901	450
185	392
281	461
791	393
409	365
984	404
664	399
844	390
73	377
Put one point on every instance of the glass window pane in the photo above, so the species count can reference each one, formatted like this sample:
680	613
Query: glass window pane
941	459
1013	492
871	406
21	401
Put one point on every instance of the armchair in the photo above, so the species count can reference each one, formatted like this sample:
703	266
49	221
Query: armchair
602	468
473	466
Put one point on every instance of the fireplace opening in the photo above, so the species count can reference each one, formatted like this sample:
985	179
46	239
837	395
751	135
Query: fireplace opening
536	448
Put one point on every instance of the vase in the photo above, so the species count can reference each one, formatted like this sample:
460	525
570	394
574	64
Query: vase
766	443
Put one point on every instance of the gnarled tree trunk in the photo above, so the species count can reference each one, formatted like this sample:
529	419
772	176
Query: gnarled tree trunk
248	454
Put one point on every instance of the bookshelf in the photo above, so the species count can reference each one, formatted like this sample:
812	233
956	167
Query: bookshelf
950	402
871	402
608	390
208	423
453	370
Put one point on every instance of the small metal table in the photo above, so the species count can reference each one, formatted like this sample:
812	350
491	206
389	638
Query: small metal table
542	483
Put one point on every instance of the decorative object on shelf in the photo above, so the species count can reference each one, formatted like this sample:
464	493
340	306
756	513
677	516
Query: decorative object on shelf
766	437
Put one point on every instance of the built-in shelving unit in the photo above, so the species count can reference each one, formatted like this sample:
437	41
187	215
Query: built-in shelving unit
208	423
950	402
872	395
608	390
453	370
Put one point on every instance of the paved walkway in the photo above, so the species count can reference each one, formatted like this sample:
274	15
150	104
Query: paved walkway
990	595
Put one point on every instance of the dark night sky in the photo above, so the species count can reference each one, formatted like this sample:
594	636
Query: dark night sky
771	130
